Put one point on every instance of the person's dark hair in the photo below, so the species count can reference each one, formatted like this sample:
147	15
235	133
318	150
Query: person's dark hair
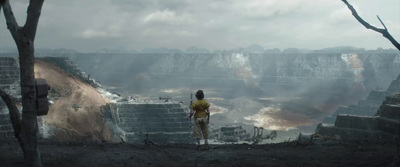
200	94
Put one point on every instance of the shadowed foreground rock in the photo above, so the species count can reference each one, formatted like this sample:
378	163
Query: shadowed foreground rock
320	153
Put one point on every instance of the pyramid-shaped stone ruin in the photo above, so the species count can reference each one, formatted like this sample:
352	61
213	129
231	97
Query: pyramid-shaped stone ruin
153	121
370	118
368	106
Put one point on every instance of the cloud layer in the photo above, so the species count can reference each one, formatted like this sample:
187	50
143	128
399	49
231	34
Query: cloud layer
91	25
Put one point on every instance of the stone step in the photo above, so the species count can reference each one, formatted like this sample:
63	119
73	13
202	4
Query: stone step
164	122
7	134
340	110
6	128
329	119
153	119
374	123
389	126
377	95
356	122
354	110
153	124
369	104
151	110
361	111
4	117
152	115
390	111
145	129
394	86
349	134
149	106
5	121
392	100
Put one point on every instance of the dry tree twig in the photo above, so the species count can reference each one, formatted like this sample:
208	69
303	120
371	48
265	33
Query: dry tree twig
384	31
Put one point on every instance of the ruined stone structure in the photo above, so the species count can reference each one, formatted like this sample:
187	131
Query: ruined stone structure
368	106
385	123
152	120
9	81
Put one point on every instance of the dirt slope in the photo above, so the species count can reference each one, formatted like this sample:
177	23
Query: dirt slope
76	112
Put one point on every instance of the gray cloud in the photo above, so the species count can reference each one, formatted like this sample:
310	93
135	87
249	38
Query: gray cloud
223	24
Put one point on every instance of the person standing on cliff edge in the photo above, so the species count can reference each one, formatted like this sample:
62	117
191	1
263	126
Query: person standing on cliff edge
201	112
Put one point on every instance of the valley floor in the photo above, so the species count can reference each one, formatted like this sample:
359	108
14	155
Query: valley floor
320	153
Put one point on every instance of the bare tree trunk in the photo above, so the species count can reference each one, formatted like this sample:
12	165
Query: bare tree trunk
15	118
29	116
24	37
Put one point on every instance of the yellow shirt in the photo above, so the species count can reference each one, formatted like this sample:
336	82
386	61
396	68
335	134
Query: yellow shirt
200	106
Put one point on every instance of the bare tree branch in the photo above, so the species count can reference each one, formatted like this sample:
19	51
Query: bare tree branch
13	112
381	22
12	24
32	20
15	119
384	32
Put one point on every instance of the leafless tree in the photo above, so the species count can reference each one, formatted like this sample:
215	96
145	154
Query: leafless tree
26	129
384	31
386	34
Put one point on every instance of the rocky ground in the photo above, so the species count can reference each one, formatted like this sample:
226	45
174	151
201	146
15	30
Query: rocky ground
320	153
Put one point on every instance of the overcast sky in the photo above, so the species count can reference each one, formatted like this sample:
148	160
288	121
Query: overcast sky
90	25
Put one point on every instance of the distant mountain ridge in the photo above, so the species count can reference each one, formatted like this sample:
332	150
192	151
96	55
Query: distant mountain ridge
255	48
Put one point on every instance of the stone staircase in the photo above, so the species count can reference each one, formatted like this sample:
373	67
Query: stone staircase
158	121
385	124
368	106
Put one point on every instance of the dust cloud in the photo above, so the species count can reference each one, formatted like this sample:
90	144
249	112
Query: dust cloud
76	112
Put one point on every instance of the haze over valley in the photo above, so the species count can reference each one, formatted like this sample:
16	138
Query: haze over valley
286	91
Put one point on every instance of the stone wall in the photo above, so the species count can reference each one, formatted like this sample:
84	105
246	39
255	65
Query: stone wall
9	72
158	121
6	129
9	82
329	72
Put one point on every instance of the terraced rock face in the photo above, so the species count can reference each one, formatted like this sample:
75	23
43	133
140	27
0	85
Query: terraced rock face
269	72
370	118
157	121
385	124
368	106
